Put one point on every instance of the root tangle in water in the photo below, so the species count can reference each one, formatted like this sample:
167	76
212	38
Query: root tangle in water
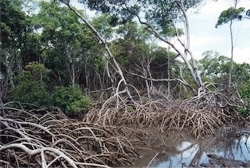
47	138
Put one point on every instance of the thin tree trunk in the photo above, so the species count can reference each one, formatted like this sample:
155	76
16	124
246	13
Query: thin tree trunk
169	83
9	62
151	85
232	47
148	87
232	54
73	74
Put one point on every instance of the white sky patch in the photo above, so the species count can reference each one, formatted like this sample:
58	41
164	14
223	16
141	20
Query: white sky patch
204	40
90	14
204	35
242	55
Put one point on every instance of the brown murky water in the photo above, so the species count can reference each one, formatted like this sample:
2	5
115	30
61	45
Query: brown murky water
181	150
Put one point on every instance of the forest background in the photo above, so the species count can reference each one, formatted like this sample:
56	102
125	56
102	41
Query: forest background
80	91
50	57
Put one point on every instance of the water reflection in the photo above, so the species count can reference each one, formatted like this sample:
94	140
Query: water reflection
183	151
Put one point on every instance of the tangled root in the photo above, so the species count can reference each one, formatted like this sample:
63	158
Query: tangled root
203	115
207	113
47	138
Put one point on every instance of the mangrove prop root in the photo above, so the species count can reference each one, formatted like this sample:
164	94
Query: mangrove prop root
202	114
47	138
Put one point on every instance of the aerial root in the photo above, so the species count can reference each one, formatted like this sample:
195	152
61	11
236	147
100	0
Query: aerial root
47	138
202	114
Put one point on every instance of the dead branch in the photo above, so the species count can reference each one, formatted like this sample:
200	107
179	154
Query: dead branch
164	80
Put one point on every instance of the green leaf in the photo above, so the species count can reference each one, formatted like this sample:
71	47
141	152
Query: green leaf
229	15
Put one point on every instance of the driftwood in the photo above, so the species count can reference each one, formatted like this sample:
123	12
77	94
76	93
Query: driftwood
47	138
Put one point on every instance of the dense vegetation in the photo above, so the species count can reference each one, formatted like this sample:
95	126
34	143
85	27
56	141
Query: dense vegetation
109	70
45	46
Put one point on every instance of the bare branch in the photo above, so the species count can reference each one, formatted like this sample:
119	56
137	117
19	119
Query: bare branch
164	80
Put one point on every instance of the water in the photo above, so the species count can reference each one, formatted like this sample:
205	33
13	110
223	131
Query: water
181	150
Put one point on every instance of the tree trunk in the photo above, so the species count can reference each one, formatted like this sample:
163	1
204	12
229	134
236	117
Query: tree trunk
111	58
232	54
194	72
232	47
184	55
169	84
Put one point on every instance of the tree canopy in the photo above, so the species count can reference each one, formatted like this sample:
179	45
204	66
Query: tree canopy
230	14
124	55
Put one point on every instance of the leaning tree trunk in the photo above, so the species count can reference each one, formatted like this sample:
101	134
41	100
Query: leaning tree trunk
110	58
192	68
194	72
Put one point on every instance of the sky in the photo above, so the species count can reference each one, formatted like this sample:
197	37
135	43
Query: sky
204	36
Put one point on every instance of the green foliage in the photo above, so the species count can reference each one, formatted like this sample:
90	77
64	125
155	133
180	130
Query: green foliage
229	15
103	26
244	90
131	47
157	13
70	99
38	71
130	108
30	88
14	28
214	66
215	69
70	51
245	109
13	21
